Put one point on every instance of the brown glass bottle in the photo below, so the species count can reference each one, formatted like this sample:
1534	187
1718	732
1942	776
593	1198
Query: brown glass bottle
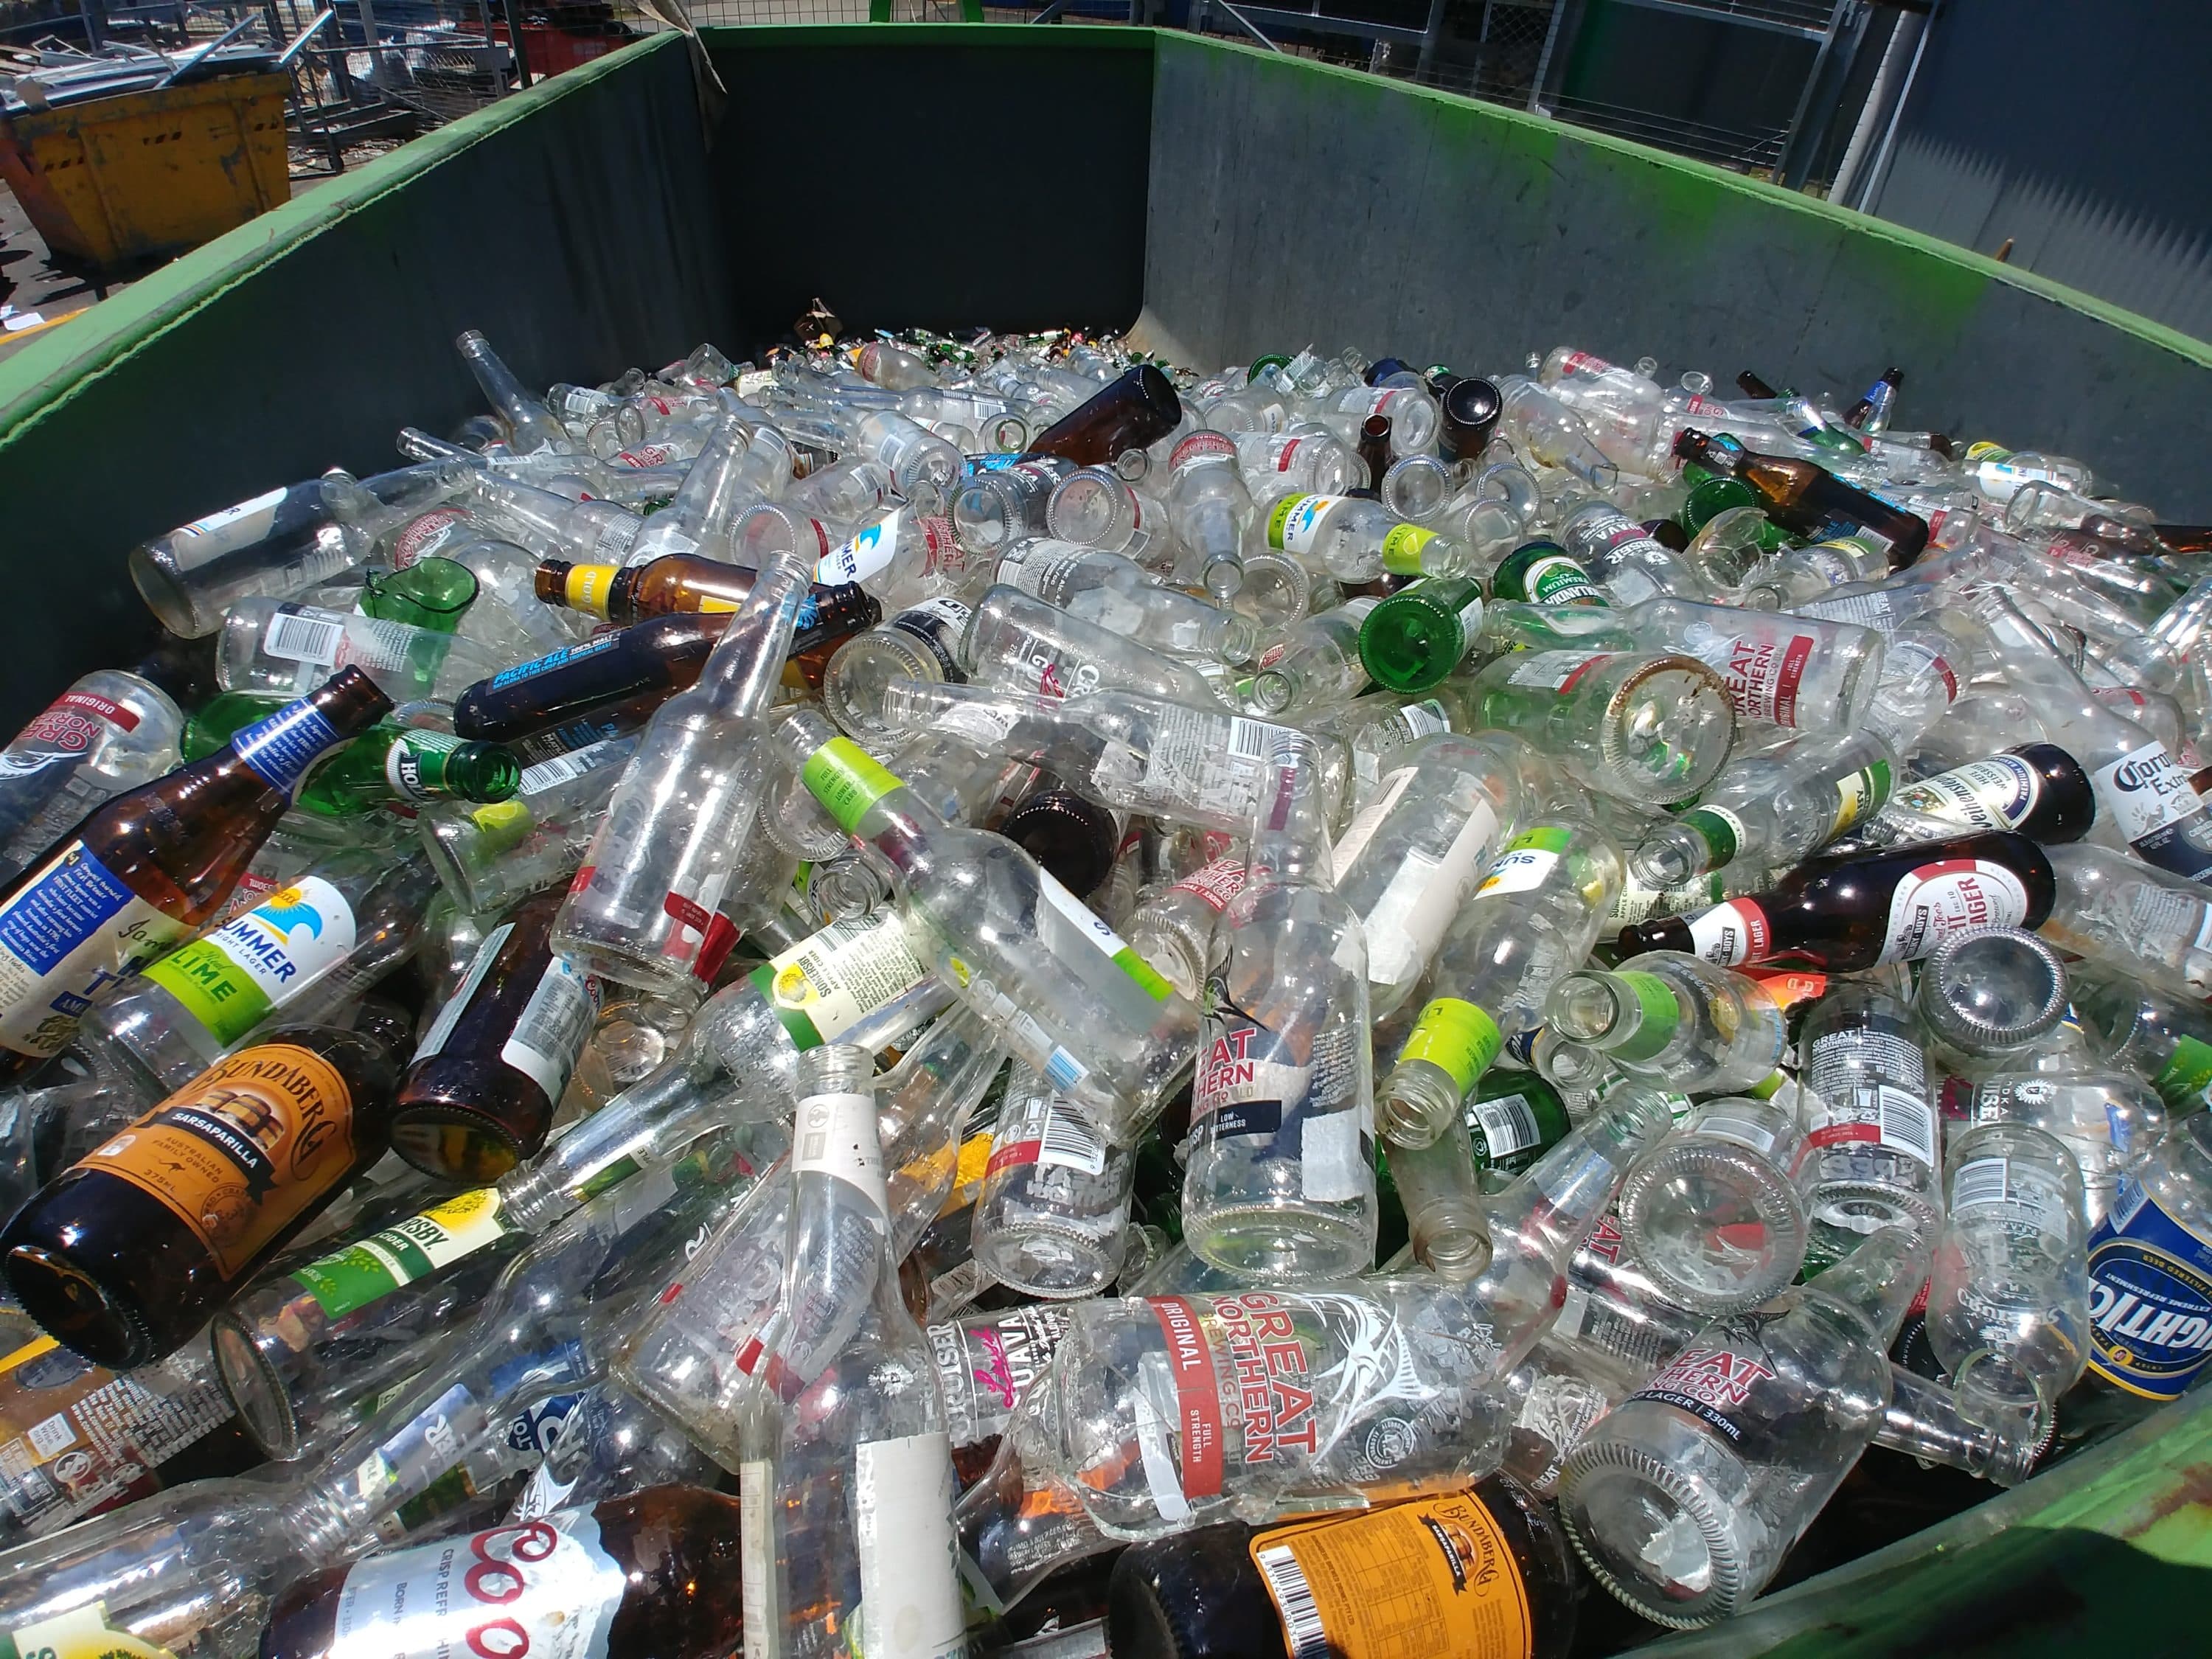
1074	837
126	1254
671	584
1862	411
145	870
1375	450
1138	409
1806	498
1487	1567
1852	910
480	1094
1753	386
1470	407
2185	537
657	1570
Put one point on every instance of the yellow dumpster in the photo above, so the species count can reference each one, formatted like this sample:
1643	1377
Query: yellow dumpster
147	173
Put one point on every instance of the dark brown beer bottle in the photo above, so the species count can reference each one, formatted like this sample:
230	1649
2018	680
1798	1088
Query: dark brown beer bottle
126	1254
1806	498
673	584
1752	386
143	872
1477	1574
481	1093
1864	411
1140	407
1074	837
655	1573
1375	450
1853	910
1470	407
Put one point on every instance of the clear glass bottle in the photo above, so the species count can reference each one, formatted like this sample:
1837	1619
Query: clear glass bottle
1280	1179
1055	1206
1684	1499
280	645
1790	671
1020	643
2009	1293
1772	809
662	863
1873	1159
1672	1019
1210	511
2132	917
1632	565
531	426
110	731
1173	929
1118	593
998	507
1069	996
847	1472
1644	727
1314	665
1356	540
1713	1211
487	856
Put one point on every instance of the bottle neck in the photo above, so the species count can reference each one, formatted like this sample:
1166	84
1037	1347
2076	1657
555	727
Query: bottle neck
1289	837
1878	1281
741	676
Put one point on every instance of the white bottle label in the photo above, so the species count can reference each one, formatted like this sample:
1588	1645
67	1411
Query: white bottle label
548	1588
69	935
840	975
910	1564
442	1029
550	1033
755	1553
1407	924
206	539
1729	934
1950	896
1296	525
1996	794
1361	831
868	553
836	1135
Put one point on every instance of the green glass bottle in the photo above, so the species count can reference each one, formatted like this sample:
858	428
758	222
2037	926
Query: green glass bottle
388	765
1544	573
1415	639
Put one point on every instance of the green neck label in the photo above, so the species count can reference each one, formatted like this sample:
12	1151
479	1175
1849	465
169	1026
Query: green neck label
1456	1036
1660	1015
848	781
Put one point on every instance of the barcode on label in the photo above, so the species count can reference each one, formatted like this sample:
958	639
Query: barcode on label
1507	1124
1907	1125
1982	1181
1247	739
1071	1142
303	639
1294	1599
559	769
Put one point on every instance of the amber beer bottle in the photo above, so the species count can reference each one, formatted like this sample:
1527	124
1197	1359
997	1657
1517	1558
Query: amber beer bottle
480	1094
1479	1574
1853	910
678	583
146	870
1804	497
653	1575
126	1254
1138	409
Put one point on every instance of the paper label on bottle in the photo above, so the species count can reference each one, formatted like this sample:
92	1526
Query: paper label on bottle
70	933
1947	897
1087	923
442	1029
986	1365
2022	1194
2182	1081
824	985
1861	792
236	976
1198	762
939	624
1659	1008
71	727
556	770
2150	800
241	1150
1556	670
551	1032
281	748
545	1587
867	554
910	1562
1886	1115
1458	1036
414	766
1295	524
1214	885
1045	1130
1561	579
756	1556
205	540
836	1135
2000	792
1736	932
1712	1381
847	780
1734	1126
1721	829
1529	859
81	1633
2150	1298
1196	1404
1508	1124
1403	548
347	1280
424	536
1361	831
1433	1577
1407	923
1763	676
556	658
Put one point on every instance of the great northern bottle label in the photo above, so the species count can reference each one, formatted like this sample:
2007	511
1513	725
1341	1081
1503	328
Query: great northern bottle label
1713	1381
235	977
548	1589
1453	1586
84	1633
239	1151
1248	1083
348	1279
1763	676
2150	1298
823	986
70	934
1276	1408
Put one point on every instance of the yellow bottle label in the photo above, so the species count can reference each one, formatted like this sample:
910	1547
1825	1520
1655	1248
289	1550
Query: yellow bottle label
1425	1578
84	1633
1457	1036
588	585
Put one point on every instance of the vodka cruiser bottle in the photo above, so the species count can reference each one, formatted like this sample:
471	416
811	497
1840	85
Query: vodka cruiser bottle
1068	995
1280	1180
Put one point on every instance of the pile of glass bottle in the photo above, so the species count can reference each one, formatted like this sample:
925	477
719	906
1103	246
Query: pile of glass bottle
791	1008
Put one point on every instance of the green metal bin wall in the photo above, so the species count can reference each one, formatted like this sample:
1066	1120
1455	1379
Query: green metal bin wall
1226	201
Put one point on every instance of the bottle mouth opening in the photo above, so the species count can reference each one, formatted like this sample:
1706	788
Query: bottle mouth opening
1585	1008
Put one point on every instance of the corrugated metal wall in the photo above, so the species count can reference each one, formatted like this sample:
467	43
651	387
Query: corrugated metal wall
2080	132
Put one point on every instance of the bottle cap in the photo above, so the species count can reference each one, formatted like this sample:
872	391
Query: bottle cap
1997	988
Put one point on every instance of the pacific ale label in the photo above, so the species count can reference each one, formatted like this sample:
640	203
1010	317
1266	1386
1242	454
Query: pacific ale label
239	1151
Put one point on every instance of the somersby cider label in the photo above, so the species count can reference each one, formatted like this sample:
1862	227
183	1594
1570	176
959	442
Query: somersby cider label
239	1151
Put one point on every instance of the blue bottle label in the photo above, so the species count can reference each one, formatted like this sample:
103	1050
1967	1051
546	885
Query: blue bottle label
553	660
2150	1298
281	749
70	934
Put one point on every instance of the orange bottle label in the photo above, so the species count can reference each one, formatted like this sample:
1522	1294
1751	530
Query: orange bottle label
1432	1576
241	1150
